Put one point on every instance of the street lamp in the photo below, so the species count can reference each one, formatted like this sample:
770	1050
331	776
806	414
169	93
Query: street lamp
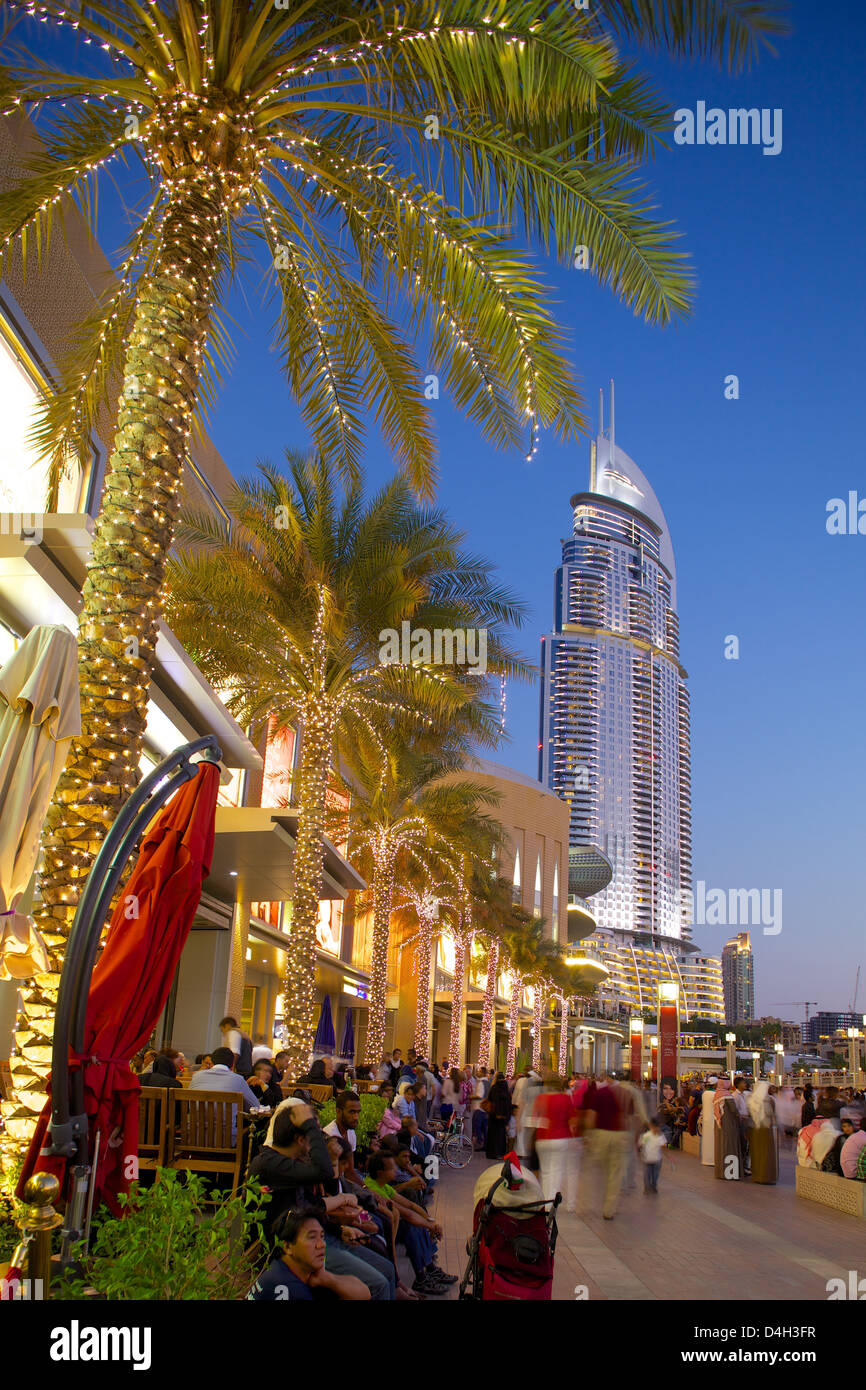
854	1036
779	1050
731	1040
756	1065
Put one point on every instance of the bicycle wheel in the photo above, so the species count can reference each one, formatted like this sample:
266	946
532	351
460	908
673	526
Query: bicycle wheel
457	1151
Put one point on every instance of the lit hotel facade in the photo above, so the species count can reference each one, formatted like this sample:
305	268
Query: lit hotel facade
614	728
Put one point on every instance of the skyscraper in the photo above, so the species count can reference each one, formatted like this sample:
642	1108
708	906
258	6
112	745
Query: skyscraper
614	727
738	979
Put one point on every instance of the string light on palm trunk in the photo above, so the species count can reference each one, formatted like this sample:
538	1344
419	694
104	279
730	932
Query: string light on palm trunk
563	1036
537	1011
486	1038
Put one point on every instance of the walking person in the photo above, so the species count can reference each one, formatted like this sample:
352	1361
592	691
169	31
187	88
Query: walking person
554	1124
729	1158
651	1146
498	1114
763	1135
603	1124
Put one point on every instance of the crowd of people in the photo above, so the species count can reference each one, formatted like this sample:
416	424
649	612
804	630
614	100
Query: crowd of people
339	1210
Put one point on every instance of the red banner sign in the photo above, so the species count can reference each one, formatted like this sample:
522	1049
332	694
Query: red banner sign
668	1037
636	1054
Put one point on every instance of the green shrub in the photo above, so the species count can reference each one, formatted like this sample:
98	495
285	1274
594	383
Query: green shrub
174	1242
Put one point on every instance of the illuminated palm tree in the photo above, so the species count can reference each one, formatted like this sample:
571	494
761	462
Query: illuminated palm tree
403	818
283	608
366	158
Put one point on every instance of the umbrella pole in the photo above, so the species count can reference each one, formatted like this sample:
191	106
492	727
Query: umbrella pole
68	1125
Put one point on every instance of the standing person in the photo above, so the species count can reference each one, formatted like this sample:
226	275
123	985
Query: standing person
807	1113
762	1135
498	1115
553	1121
636	1119
450	1095
708	1124
651	1146
479	1114
607	1138
396	1067
523	1097
239	1043
740	1098
383	1071
729	1159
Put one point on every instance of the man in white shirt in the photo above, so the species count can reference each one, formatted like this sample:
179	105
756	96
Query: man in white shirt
239	1043
261	1052
345	1125
223	1077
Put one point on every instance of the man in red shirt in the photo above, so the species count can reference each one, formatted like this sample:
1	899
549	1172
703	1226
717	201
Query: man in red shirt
607	1137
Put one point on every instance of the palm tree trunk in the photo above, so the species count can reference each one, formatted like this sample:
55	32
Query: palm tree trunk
383	898
423	960
516	995
299	983
537	1011
563	1036
462	940
122	598
486	1039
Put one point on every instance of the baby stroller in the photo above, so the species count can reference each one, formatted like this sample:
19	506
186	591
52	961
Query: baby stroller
513	1238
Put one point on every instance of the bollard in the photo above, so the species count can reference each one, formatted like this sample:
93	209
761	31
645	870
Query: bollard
40	1193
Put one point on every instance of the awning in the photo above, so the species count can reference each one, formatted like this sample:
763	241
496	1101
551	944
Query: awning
254	854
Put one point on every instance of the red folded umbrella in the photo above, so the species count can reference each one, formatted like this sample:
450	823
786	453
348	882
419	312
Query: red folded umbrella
132	979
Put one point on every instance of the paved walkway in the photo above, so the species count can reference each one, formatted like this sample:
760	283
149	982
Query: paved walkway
700	1238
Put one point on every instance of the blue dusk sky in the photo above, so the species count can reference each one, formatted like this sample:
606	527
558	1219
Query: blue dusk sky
777	243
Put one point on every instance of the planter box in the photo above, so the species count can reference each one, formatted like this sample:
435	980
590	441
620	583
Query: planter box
691	1144
843	1194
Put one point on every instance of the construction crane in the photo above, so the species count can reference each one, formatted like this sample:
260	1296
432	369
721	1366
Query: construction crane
796	1004
856	991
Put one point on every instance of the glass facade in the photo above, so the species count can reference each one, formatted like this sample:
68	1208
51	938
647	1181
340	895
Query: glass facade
614	726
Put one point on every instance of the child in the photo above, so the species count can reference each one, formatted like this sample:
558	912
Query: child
651	1145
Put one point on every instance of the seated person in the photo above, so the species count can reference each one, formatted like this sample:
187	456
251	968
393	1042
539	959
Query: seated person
261	1085
420	1143
204	1061
299	1274
163	1070
854	1146
415	1230
321	1073
832	1161
410	1180
281	1067
296	1167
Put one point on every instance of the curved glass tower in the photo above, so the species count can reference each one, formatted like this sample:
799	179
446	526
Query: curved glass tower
614	728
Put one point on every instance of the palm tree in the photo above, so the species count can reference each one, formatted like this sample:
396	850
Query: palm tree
460	833
403	817
283	608
296	133
420	896
493	906
529	951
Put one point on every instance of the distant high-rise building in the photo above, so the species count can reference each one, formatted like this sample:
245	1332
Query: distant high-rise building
738	979
614	736
825	1023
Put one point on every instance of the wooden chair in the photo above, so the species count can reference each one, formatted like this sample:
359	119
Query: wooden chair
200	1133
152	1126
